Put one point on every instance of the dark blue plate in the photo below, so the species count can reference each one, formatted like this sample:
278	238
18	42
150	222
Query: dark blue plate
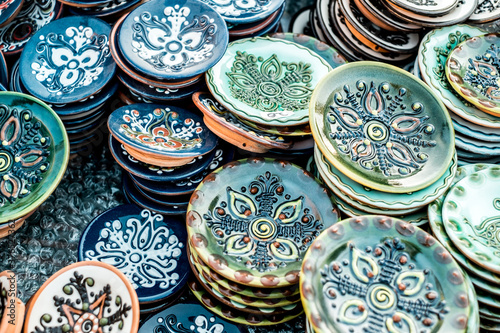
166	200
9	9
111	8
173	40
188	317
68	60
81	122
2	88
148	248
4	72
85	128
162	130
155	173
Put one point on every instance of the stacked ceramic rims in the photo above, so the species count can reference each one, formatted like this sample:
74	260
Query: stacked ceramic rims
249	224
68	65
260	91
464	221
162	49
149	249
384	141
461	65
380	274
108	10
166	151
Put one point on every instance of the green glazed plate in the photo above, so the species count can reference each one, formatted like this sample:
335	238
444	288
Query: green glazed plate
266	80
382	127
34	154
376	274
251	221
473	70
471	211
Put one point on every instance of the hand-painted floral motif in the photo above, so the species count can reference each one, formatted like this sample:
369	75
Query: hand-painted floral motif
23	153
201	324
380	290
146	254
172	43
5	4
488	232
162	129
378	132
482	73
70	60
250	227
237	8
83	311
277	88
486	6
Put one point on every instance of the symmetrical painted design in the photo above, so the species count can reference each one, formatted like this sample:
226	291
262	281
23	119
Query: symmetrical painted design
4	5
251	227
272	86
488	231
378	131
146	254
24	150
380	289
173	42
82	311
487	6
482	73
162	129
70	60
238	8
200	324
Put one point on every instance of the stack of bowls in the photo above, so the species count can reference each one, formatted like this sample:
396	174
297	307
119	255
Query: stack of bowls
165	151
249	224
162	49
460	64
464	220
68	65
384	141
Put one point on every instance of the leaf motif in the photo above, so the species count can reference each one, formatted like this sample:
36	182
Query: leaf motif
413	280
297	91
373	101
11	131
290	209
271	68
357	258
242	80
349	312
240	205
285	251
389	323
347	117
236	246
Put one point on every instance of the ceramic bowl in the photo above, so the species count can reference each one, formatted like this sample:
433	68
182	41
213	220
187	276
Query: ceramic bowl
9	10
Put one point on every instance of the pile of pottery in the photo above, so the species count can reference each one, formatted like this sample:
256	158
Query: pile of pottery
465	221
106	9
384	141
249	225
162	51
148	248
460	64
67	64
260	91
379	274
166	151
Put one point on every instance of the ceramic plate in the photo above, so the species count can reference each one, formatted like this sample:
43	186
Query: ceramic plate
470	211
268	81
161	130
147	248
376	273
382	127
67	60
234	11
4	71
170	41
278	209
85	295
487	149
376	12
427	7
33	156
473	69
8	10
486	10
475	131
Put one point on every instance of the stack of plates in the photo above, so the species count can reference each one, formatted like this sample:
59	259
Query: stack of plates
378	274
68	65
460	64
165	151
384	141
163	50
249	225
105	9
465	221
260	91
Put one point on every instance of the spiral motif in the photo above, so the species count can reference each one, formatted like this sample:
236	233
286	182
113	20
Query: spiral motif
382	297
263	229
377	132
271	89
5	161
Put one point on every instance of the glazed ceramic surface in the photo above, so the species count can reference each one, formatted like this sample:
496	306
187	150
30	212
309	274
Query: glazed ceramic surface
475	131
173	41
147	248
238	11
277	209
380	15
67	60
187	317
426	7
476	146
9	9
486	10
376	273
33	155
84	296
473	69
268	81
381	127
161	130
470	213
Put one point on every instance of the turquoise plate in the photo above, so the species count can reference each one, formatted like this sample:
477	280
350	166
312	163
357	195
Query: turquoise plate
477	146
473	130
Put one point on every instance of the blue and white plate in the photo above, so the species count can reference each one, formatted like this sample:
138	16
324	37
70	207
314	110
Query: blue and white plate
105	10
148	248
67	60
244	11
9	9
171	41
